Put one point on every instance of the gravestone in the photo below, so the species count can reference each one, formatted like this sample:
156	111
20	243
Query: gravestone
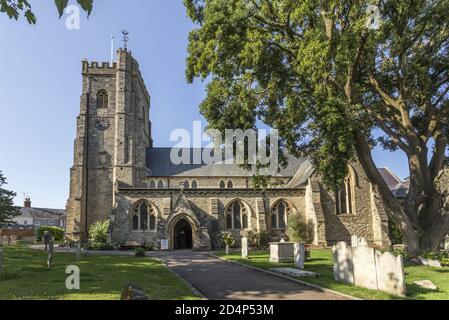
245	248
343	267
227	249
390	273
354	241
300	255
282	252
51	245
364	265
446	244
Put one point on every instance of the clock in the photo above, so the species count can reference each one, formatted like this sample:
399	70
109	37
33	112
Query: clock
102	124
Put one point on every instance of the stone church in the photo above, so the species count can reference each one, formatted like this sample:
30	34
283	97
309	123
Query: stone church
119	176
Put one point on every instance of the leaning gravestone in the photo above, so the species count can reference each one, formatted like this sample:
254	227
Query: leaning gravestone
300	255
244	248
343	267
51	246
364	267
78	250
390	273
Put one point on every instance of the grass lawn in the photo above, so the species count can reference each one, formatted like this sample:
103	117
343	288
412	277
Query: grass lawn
25	276
321	261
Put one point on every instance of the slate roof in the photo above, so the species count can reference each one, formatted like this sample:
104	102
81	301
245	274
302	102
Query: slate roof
160	165
42	213
398	187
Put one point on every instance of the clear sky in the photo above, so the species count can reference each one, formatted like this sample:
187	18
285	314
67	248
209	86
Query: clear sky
40	87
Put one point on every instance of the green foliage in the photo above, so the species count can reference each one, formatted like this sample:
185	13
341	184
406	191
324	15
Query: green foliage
99	246
15	8
258	240
296	229
227	239
329	84
395	233
139	252
98	232
57	233
442	257
7	209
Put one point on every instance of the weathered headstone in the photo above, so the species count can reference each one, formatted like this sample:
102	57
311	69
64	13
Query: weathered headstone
446	244
354	241
300	255
227	249
426	284
282	252
364	267
429	262
244	248
343	267
51	245
390	273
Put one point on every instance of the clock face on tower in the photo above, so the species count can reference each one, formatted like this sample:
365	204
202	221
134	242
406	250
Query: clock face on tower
102	124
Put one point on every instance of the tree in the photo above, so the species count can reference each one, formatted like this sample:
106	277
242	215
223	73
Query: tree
7	209
15	8
326	77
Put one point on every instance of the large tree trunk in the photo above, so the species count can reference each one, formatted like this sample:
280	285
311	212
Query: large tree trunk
422	223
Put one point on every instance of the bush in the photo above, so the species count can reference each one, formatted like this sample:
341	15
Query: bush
57	233
258	240
98	232
139	252
395	233
227	239
297	229
99	246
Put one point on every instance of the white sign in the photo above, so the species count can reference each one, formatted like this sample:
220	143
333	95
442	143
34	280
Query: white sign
164	244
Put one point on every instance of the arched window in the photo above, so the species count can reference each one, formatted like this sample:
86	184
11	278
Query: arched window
160	184
102	99
144	217
222	184
194	184
237	216
279	215
186	184
344	197
152	184
230	185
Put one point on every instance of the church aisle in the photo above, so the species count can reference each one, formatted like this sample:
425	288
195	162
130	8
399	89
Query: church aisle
220	280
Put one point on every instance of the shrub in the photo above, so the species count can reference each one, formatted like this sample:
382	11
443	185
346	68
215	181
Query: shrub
57	233
139	252
99	246
297	229
227	239
395	233
258	240
98	232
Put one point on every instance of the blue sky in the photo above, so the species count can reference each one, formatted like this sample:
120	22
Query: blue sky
40	87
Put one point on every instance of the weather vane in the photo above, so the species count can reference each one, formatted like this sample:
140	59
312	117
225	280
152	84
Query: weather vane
125	38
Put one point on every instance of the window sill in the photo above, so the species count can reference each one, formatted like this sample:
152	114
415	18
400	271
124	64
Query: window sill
144	231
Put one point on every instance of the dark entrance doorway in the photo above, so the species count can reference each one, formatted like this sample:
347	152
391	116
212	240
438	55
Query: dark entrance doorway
183	235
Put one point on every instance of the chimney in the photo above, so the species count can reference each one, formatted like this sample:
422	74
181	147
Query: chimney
27	203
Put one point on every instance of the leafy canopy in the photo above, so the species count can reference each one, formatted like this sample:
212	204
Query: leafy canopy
313	70
15	8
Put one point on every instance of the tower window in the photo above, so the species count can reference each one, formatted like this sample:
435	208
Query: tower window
194	184
102	99
222	184
160	185
230	185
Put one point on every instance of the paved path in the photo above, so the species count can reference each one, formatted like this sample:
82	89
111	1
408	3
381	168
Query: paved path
221	280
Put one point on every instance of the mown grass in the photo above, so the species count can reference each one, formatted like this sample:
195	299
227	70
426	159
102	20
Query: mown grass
26	276
321	261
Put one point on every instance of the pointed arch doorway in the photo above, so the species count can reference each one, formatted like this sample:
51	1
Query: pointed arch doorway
182	235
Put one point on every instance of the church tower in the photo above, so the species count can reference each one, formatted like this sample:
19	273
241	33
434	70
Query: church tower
113	133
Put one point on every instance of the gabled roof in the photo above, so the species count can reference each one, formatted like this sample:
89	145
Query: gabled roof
390	178
160	165
43	213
